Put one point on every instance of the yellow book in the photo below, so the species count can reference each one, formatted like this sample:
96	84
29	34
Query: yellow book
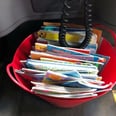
114	95
70	37
53	35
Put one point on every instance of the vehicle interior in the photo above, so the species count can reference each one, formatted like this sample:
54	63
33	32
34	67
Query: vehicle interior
20	18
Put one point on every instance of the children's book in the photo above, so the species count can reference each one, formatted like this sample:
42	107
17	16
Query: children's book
59	89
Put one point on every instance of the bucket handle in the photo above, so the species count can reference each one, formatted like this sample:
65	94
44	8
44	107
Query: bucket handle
113	34
12	77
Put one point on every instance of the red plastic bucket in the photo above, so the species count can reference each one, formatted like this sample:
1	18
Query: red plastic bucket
108	73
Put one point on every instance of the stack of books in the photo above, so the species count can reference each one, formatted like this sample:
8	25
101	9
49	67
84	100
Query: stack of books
64	72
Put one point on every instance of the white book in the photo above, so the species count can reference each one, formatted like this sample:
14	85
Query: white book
67	96
59	89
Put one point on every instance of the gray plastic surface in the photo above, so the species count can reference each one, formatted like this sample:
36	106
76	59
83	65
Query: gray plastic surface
15	12
106	11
